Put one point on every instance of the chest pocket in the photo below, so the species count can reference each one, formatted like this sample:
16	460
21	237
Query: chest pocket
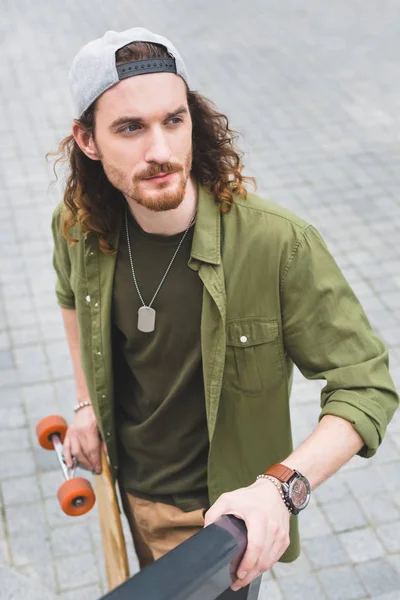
254	356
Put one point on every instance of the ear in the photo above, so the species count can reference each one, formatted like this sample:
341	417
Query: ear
85	142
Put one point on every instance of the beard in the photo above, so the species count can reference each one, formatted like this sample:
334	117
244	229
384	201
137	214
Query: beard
158	196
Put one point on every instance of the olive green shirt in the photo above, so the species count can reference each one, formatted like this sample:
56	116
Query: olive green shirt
159	390
273	295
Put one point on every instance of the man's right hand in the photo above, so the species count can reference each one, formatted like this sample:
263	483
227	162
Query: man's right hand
83	441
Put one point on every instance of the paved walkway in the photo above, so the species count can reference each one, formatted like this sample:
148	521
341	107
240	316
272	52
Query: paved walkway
314	88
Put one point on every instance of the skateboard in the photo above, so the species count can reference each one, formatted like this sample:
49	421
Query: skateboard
77	497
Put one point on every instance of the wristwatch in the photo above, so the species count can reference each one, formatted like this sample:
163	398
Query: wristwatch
295	487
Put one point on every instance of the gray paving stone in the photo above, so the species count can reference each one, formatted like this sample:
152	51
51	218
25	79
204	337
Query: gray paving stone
40	400
15	585
52	329
325	551
378	577
390	474
9	377
25	519
394	560
365	482
4	340
2	527
12	417
33	373
16	290
389	535
65	391
20	490
300	566
28	549
387	452
14	464
5	560
77	571
11	397
59	359
15	439
21	336
60	367
41	572
270	590
313	523
303	586
49	482
92	592
21	319
380	509
389	596
45	460
332	490
6	360
362	545
65	540
345	515
341	583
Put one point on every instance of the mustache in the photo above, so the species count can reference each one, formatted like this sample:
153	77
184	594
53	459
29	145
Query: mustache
155	170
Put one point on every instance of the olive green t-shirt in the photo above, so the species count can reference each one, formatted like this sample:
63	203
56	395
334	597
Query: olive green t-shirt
160	402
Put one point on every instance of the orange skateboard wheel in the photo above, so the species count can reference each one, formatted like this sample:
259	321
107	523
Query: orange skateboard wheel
76	496
48	427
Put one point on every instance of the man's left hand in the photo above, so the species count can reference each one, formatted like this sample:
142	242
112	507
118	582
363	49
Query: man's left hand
261	507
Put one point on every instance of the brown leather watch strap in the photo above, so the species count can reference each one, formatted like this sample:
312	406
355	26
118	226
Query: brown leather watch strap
280	472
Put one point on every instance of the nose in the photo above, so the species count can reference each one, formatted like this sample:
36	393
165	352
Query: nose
158	149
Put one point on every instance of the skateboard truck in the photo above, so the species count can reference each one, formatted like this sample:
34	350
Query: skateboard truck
75	495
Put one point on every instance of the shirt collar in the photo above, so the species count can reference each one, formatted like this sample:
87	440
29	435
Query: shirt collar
206	237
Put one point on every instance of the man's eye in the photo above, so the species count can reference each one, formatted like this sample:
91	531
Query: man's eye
176	120
130	129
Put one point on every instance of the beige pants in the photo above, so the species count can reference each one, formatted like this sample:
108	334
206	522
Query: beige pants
157	528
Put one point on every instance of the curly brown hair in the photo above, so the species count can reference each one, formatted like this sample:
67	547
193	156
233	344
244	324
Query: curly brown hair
93	202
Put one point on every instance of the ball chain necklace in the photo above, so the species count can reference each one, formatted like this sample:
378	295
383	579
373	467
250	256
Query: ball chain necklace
146	314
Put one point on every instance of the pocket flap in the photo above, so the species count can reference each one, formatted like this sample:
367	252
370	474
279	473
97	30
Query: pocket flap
250	332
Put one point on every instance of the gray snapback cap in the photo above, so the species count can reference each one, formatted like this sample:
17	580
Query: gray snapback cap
94	70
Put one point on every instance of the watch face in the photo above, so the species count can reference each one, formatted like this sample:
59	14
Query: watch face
299	493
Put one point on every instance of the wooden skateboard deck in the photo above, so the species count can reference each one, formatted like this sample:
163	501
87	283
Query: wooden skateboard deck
114	548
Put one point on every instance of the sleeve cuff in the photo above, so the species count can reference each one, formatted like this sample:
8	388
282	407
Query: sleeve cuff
65	301
362	424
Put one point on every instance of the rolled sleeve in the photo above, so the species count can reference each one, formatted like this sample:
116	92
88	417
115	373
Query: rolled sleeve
61	263
328	336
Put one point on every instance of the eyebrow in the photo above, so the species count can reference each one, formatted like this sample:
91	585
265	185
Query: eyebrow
127	119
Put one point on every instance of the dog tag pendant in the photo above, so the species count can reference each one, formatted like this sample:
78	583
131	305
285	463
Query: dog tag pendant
146	319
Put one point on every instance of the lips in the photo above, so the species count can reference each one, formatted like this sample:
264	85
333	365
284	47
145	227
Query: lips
160	176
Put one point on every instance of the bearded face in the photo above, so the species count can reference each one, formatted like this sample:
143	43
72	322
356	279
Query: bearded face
143	138
159	187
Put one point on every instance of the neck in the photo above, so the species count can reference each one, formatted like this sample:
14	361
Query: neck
167	222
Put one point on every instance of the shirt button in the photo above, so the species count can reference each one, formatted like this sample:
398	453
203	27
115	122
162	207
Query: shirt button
97	304
103	396
98	353
90	253
243	339
87	298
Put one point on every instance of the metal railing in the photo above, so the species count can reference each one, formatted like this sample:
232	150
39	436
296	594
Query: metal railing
202	568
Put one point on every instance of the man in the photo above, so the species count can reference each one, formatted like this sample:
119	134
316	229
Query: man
186	301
